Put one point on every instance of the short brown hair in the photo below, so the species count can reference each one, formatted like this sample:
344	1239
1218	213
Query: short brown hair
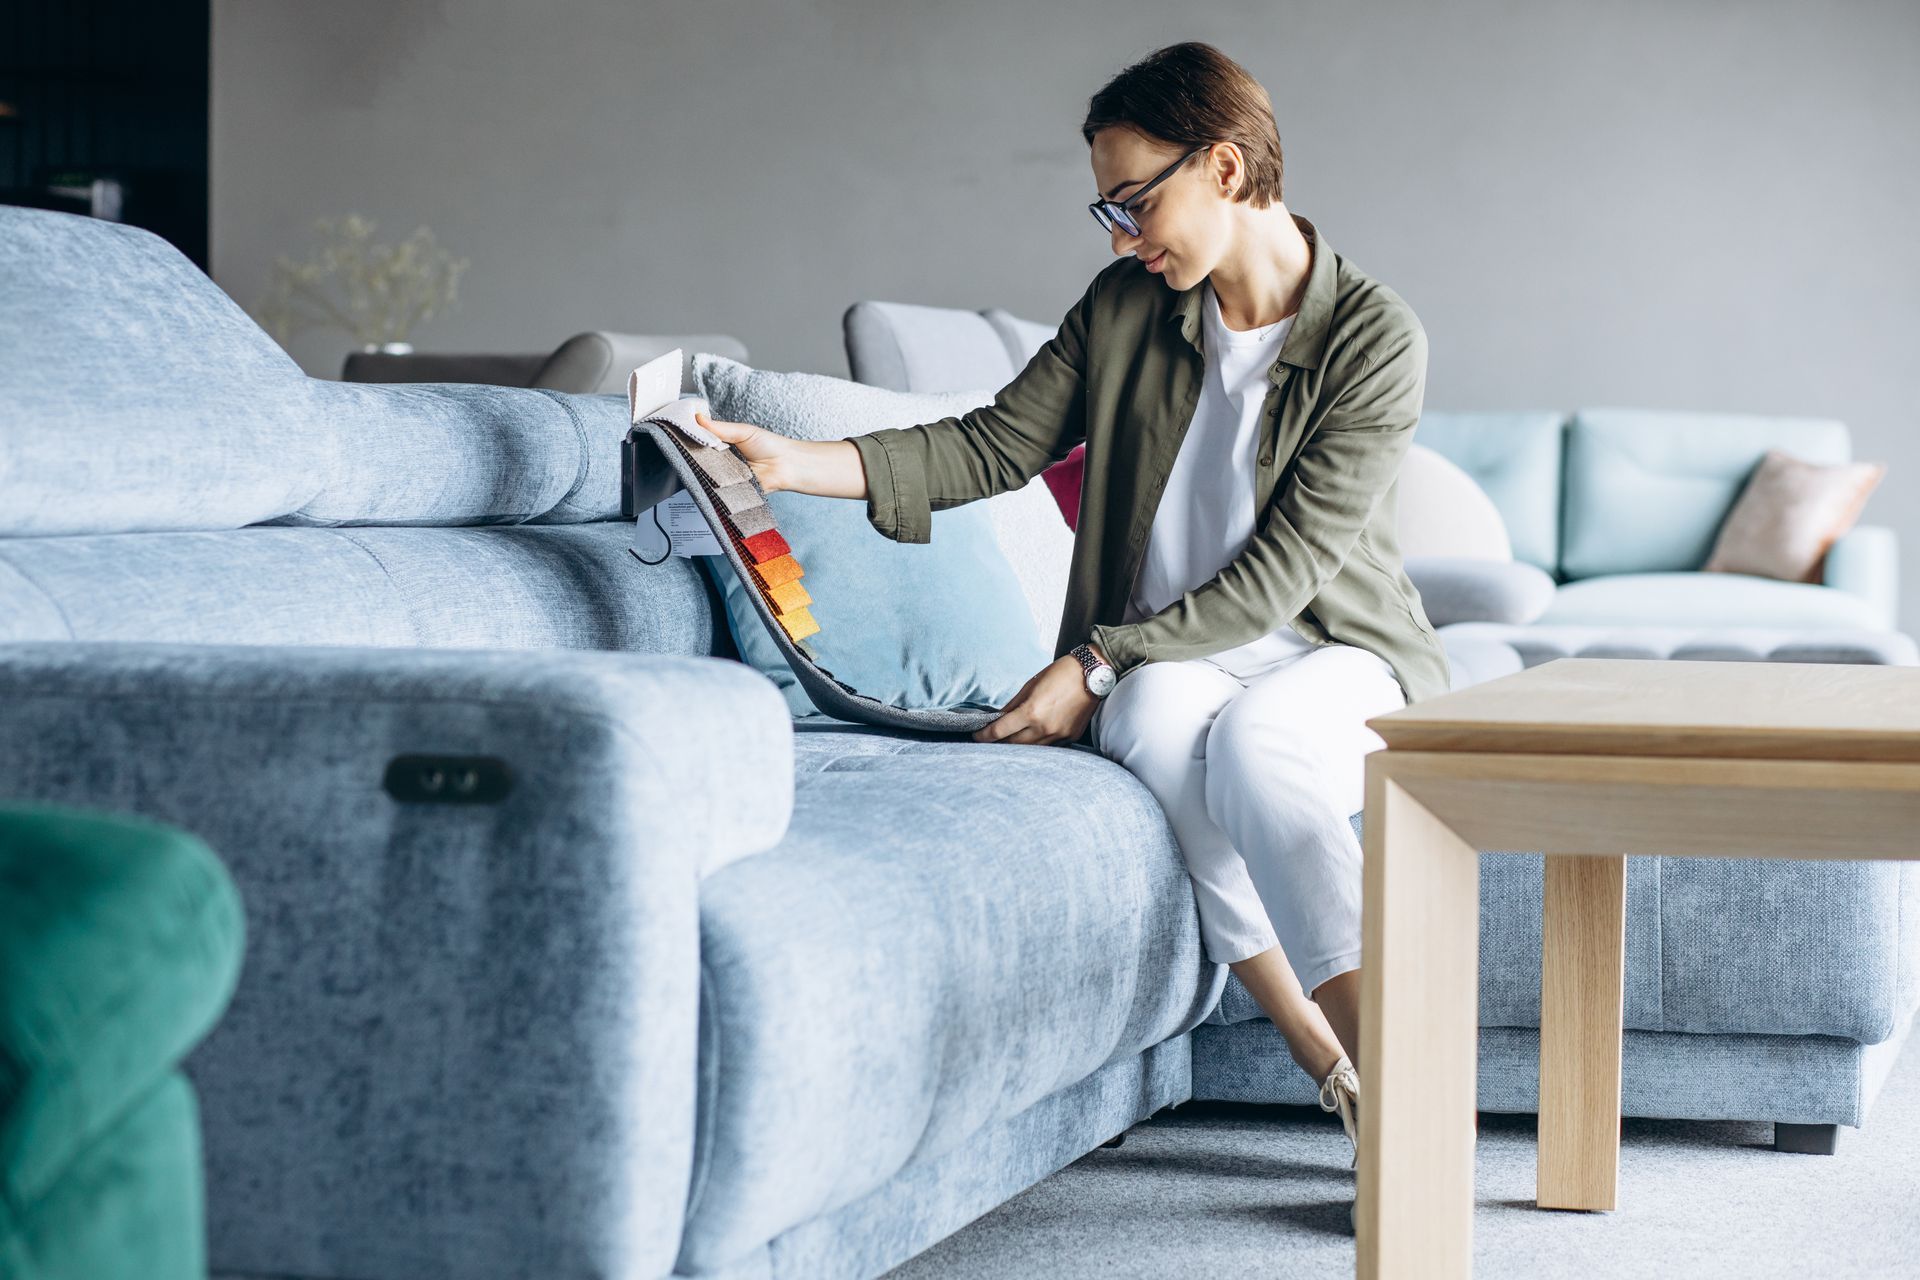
1189	94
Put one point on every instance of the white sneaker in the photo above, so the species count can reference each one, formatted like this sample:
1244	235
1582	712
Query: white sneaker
1340	1092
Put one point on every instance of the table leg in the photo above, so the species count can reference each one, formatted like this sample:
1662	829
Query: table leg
1419	1039
1582	1004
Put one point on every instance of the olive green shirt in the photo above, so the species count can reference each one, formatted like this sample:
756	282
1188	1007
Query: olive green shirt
1123	374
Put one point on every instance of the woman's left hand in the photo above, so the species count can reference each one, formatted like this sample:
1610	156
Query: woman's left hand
1054	706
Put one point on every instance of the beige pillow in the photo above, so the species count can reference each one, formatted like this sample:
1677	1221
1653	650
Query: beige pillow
1790	512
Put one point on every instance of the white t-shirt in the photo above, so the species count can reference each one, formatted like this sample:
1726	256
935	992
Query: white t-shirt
1206	514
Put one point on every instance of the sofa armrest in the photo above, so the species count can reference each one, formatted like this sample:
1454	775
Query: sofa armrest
465	1029
1865	561
120	942
1473	589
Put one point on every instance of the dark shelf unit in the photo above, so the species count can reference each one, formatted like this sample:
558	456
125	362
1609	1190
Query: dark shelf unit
93	89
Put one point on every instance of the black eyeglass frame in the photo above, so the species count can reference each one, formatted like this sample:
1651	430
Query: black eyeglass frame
1121	211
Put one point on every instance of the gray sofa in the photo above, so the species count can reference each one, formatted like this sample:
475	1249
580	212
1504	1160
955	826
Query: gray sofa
570	953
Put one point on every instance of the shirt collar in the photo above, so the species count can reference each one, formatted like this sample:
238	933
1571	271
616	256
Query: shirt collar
1306	341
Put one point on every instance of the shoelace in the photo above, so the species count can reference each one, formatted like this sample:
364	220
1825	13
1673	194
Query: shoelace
1340	1092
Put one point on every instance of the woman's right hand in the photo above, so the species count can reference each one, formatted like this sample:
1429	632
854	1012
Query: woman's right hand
769	455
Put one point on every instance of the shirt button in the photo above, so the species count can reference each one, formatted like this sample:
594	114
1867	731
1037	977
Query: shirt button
1266	459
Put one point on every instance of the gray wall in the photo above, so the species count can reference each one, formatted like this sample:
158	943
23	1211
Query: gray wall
1689	205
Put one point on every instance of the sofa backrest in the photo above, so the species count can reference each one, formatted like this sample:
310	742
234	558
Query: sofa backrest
168	473
1515	457
1647	489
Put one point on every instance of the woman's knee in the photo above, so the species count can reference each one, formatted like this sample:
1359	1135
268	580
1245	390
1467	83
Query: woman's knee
1165	701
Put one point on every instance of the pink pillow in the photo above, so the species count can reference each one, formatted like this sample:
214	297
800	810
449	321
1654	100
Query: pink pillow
1063	480
1788	515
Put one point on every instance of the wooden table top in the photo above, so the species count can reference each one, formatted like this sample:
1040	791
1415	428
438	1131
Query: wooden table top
1659	707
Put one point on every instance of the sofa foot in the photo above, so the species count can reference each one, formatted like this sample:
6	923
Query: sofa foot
1806	1139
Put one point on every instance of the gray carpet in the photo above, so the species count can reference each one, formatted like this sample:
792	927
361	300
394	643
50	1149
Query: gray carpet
1218	1190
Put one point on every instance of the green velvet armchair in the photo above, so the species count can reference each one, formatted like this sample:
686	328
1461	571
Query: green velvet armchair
120	944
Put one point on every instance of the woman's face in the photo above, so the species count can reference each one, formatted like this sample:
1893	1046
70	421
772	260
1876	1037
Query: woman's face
1186	222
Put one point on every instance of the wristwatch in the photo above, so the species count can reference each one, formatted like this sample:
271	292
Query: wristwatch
1099	676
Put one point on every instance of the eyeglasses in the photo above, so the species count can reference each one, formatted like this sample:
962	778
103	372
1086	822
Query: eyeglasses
1108	213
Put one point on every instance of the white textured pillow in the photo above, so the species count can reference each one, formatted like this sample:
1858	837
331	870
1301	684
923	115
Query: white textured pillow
813	406
1445	512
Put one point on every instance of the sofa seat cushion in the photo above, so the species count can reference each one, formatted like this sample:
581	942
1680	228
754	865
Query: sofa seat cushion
1707	600
950	932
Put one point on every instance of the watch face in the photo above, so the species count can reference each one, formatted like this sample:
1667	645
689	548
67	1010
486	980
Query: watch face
1100	681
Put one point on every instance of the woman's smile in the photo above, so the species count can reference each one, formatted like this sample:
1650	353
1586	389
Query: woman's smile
1154	263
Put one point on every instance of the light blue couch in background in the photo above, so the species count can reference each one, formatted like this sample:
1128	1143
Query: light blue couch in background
1620	506
569	953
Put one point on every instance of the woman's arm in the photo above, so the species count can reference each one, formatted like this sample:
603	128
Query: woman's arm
907	473
829	468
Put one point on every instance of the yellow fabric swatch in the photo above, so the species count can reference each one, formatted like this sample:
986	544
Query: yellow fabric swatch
798	624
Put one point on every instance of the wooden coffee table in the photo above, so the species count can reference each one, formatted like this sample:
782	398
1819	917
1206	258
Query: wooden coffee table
1585	760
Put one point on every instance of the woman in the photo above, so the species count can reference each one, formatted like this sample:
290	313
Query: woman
1232	669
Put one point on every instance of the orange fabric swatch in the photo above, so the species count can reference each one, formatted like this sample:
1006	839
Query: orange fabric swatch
789	595
778	570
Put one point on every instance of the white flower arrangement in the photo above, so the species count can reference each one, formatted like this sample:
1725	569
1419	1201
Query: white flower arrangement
388	289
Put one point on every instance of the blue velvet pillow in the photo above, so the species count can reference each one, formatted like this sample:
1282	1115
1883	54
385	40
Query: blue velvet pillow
941	623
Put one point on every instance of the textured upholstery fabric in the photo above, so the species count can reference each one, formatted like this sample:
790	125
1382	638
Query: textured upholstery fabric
464	1034
985	978
120	941
138	396
935	1197
1647	490
943	624
568	587
1720	600
131	1203
1797	1079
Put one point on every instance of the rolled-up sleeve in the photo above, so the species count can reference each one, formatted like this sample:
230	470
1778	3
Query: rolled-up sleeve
1032	422
1316	515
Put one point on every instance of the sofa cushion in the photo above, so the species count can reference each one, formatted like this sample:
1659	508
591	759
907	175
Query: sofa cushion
1538	643
1647	490
571	587
1443	511
1790	514
949	933
1718	600
138	396
1468	589
937	625
1515	459
811	406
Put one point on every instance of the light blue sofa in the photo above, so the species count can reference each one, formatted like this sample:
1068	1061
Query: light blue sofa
569	952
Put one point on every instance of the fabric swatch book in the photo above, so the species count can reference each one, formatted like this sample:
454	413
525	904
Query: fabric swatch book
728	495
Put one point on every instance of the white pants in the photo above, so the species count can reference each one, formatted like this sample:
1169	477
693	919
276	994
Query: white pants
1259	770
